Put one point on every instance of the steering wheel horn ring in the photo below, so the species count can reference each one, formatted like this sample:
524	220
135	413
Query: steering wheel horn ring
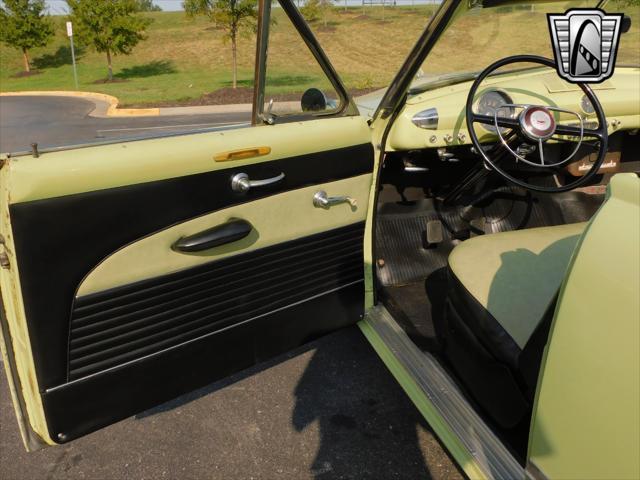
540	138
537	124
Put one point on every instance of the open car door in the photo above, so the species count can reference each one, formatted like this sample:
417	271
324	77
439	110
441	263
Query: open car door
135	272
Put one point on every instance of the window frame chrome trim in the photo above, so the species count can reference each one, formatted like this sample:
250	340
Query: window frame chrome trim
346	105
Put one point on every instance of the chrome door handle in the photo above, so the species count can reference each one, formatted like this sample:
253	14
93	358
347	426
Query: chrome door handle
321	200
240	182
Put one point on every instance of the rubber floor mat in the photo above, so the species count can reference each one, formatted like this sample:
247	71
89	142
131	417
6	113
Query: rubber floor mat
402	256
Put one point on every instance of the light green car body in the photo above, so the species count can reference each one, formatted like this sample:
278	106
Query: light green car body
586	417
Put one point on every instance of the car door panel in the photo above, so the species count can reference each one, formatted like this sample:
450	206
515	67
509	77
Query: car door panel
118	321
229	326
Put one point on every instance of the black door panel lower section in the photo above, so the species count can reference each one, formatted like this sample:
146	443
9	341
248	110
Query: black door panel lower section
59	240
96	401
127	323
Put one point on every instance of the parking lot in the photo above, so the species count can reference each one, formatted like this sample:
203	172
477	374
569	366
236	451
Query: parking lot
329	410
54	121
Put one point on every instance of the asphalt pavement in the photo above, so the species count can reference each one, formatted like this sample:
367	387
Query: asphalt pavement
330	410
52	121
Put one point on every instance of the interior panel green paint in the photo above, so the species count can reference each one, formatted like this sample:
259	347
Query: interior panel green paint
106	166
376	134
26	383
275	219
586	422
619	97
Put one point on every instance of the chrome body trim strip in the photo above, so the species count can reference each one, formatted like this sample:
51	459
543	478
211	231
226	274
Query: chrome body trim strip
493	458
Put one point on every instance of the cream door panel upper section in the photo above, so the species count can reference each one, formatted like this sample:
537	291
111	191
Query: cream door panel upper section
275	219
107	166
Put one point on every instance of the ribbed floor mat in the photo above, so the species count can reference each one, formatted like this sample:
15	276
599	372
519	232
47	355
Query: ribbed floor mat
401	238
401	247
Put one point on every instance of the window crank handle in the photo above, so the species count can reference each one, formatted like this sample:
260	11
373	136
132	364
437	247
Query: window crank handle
321	200
242	184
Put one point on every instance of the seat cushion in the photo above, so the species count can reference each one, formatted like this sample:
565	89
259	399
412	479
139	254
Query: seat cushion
514	277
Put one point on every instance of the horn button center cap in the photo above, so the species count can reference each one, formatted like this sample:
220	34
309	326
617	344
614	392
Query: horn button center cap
537	123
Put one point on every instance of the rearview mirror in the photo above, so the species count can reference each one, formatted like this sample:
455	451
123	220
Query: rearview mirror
626	24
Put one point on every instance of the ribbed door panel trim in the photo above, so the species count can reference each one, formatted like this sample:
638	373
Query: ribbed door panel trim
133	321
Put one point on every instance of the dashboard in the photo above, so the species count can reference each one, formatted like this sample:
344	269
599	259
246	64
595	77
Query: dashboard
436	118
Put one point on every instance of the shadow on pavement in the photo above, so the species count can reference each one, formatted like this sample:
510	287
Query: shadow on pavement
366	426
328	410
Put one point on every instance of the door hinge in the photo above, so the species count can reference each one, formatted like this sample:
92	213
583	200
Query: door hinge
4	257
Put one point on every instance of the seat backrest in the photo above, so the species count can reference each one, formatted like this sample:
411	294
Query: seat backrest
586	420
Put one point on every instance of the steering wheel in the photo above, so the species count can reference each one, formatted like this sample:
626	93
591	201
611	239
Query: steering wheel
535	125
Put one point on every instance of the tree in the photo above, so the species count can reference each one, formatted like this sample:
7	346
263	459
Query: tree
315	10
236	17
112	27
148	6
23	25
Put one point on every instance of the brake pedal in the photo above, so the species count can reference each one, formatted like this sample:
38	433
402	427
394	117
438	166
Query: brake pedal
434	234
478	226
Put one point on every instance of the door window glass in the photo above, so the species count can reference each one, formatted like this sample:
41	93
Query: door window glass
294	82
366	42
180	68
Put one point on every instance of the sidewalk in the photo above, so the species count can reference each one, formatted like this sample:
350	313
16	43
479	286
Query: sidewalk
204	109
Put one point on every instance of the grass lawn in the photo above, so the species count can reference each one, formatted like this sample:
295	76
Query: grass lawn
183	59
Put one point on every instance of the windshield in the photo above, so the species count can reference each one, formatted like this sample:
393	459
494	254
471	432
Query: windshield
483	35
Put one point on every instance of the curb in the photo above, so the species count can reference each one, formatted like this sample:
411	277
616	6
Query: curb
207	109
111	109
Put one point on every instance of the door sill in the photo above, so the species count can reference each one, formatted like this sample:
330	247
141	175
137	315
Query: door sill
469	440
